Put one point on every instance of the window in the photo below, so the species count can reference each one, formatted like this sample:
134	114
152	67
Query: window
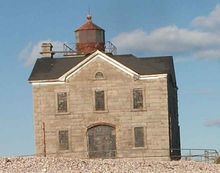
99	75
63	140
99	100
139	136
62	102
137	98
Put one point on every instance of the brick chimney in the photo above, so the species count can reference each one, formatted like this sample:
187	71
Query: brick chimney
46	50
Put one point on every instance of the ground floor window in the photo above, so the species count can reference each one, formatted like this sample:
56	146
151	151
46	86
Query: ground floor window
63	140
139	136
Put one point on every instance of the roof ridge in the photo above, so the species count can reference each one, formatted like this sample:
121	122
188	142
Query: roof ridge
154	57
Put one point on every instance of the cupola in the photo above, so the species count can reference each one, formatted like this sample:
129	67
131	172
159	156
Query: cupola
89	37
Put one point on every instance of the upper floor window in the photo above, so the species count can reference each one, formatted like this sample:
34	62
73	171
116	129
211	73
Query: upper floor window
99	75
137	98
61	102
99	100
139	136
63	140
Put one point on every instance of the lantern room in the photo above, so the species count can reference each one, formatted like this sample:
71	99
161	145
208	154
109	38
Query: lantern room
89	38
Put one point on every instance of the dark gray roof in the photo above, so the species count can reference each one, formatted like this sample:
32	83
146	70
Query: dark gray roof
53	68
145	65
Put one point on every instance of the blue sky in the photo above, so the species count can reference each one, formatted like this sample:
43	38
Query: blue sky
188	30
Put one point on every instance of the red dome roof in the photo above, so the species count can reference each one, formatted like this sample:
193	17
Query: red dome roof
89	25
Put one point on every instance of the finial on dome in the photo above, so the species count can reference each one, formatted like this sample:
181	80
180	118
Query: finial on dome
89	17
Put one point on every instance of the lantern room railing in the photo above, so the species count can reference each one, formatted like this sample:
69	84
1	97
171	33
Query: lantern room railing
69	49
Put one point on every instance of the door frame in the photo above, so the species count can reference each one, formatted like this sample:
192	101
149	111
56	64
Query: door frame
100	124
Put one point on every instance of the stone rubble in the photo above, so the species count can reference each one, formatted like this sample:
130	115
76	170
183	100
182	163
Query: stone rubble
69	165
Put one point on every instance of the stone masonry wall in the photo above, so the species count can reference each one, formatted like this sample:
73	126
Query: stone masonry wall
118	88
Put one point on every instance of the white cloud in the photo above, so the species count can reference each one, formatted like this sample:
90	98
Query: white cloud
174	40
32	51
203	41
166	39
213	123
210	53
211	22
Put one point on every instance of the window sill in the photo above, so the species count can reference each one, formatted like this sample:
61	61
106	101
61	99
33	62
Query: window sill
101	111
139	148
99	79
139	110
62	113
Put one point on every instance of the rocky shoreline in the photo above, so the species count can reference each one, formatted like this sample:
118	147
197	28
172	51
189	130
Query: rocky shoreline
69	165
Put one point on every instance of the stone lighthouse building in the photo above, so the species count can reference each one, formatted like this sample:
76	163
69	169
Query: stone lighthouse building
93	103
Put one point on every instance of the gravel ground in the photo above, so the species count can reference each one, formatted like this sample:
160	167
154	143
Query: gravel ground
50	164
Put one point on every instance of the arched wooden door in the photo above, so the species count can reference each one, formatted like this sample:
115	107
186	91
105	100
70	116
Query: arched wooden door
101	141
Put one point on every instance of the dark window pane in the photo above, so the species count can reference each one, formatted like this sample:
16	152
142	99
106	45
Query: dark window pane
99	75
99	100
62	102
139	136
137	98
63	140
